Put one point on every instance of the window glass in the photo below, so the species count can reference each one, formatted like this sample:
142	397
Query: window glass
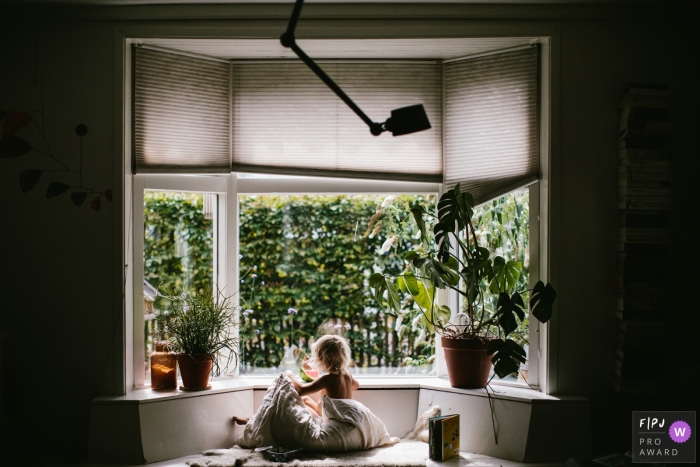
305	261
503	226
178	252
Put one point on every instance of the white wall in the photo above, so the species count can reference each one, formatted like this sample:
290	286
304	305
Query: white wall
59	265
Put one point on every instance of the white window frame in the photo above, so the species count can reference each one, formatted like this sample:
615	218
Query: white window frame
225	267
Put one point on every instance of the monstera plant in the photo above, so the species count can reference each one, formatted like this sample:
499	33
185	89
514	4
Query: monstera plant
452	258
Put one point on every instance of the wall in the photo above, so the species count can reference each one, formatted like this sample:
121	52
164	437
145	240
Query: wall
59	265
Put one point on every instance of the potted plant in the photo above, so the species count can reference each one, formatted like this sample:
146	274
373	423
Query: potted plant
200	327
452	258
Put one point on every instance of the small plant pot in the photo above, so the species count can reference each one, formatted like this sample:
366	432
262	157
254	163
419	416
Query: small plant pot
468	365
195	371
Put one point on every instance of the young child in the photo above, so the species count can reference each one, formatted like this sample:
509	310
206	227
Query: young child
331	354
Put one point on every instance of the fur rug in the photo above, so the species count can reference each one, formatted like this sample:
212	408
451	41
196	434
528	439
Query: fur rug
407	453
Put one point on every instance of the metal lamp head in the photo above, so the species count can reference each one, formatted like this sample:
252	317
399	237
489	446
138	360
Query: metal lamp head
407	120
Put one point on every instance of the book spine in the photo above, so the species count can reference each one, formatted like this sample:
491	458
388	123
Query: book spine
645	199
644	169
661	177
643	191
643	153
646	206
626	161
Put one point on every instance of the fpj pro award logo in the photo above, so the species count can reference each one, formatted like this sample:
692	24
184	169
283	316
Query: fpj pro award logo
663	437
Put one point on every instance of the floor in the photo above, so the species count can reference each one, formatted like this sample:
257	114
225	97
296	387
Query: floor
465	460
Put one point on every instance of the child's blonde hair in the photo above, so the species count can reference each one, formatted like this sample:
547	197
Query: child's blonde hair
332	352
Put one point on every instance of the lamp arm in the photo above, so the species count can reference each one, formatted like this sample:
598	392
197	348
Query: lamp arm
288	40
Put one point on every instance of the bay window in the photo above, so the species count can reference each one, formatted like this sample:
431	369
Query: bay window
295	243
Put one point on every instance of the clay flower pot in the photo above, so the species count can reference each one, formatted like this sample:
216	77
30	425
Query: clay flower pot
468	365
195	371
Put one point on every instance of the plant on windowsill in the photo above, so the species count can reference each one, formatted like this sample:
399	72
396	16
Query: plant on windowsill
200	327
453	259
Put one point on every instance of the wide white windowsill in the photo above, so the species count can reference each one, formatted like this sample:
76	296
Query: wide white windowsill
225	385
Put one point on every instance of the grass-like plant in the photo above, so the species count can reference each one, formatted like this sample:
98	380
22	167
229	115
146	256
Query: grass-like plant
201	323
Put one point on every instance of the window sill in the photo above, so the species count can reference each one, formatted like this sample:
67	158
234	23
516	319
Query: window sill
226	385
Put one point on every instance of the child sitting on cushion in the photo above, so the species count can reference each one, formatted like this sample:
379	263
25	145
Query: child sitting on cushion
331	354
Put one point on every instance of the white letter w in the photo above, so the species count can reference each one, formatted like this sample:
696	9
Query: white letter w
679	431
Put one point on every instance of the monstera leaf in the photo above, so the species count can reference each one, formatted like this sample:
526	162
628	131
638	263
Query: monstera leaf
507	358
542	300
509	307
506	275
380	284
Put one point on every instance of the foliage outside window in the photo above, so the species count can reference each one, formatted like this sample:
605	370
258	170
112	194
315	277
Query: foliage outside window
305	264
503	226
178	251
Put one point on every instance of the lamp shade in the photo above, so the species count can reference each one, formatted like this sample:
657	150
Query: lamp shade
407	120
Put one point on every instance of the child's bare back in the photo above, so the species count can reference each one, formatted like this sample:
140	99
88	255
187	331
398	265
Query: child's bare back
332	354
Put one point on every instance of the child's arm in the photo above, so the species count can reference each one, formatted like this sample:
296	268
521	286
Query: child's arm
355	383
308	388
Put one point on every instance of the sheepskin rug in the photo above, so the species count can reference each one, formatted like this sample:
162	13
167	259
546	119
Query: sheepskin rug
407	453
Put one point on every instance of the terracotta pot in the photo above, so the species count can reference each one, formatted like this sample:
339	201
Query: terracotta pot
468	365
195	371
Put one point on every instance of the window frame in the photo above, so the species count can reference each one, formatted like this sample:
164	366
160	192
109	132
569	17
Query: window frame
222	273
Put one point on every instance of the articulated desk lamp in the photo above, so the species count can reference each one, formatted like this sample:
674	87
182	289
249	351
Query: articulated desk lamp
402	121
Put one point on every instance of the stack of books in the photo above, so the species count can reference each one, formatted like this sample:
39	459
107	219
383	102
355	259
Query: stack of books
644	181
443	437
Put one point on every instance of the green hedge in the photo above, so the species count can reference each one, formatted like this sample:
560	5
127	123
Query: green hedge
313	254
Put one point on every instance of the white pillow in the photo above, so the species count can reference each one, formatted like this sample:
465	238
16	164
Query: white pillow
283	420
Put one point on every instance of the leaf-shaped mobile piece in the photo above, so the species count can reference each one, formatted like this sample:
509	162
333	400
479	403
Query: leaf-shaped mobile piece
28	179
15	120
542	300
108	194
55	189
13	146
96	203
78	197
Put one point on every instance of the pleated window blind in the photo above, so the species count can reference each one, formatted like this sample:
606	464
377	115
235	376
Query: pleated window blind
182	113
285	120
491	123
198	115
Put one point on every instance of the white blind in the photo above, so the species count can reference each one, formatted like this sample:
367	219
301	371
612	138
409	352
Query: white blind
285	120
181	113
491	123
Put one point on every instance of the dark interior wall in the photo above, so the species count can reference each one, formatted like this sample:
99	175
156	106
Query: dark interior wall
59	264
